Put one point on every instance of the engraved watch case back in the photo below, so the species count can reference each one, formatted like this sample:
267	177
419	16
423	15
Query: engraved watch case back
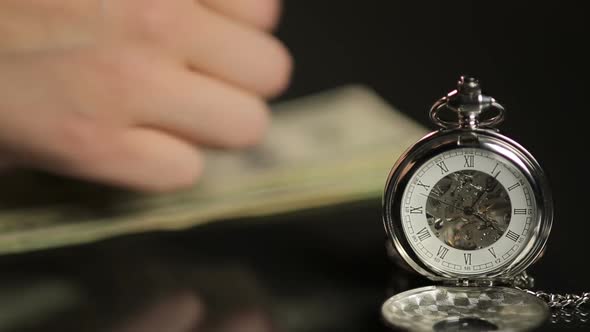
466	205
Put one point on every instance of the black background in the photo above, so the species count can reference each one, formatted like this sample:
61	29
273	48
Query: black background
528	55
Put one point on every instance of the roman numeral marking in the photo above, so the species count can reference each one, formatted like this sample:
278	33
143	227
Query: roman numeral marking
425	186
514	186
467	258
469	161
492	251
512	236
443	167
423	234
442	252
519	211
495	168
416	210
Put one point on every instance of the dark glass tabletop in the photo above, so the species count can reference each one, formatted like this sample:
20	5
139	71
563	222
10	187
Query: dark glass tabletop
319	270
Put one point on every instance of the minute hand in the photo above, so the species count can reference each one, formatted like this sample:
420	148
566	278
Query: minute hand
485	190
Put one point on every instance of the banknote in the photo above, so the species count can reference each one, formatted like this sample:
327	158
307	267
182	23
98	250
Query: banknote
329	148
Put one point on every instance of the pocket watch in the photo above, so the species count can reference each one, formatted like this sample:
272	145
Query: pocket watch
471	209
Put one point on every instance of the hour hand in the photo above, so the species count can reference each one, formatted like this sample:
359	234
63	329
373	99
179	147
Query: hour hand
487	189
482	192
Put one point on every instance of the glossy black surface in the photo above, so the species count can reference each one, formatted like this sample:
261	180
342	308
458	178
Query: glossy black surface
327	270
322	270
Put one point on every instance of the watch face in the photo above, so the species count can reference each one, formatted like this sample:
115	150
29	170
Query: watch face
468	211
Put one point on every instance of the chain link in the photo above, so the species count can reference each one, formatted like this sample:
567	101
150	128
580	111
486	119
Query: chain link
562	301
565	308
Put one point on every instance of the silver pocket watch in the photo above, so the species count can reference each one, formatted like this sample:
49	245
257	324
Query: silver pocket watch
470	209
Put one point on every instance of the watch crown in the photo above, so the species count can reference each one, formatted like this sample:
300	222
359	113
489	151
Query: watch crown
468	85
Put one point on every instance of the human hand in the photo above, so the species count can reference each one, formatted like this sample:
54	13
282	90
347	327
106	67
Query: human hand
128	92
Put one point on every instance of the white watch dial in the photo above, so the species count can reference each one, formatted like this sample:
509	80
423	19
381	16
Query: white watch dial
468	211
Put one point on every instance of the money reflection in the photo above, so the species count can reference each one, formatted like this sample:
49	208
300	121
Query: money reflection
128	292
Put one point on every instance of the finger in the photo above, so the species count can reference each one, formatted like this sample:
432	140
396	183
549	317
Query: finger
237	54
262	14
202	110
141	159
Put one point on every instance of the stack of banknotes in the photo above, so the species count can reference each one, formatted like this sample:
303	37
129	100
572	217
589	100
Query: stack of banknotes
330	148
